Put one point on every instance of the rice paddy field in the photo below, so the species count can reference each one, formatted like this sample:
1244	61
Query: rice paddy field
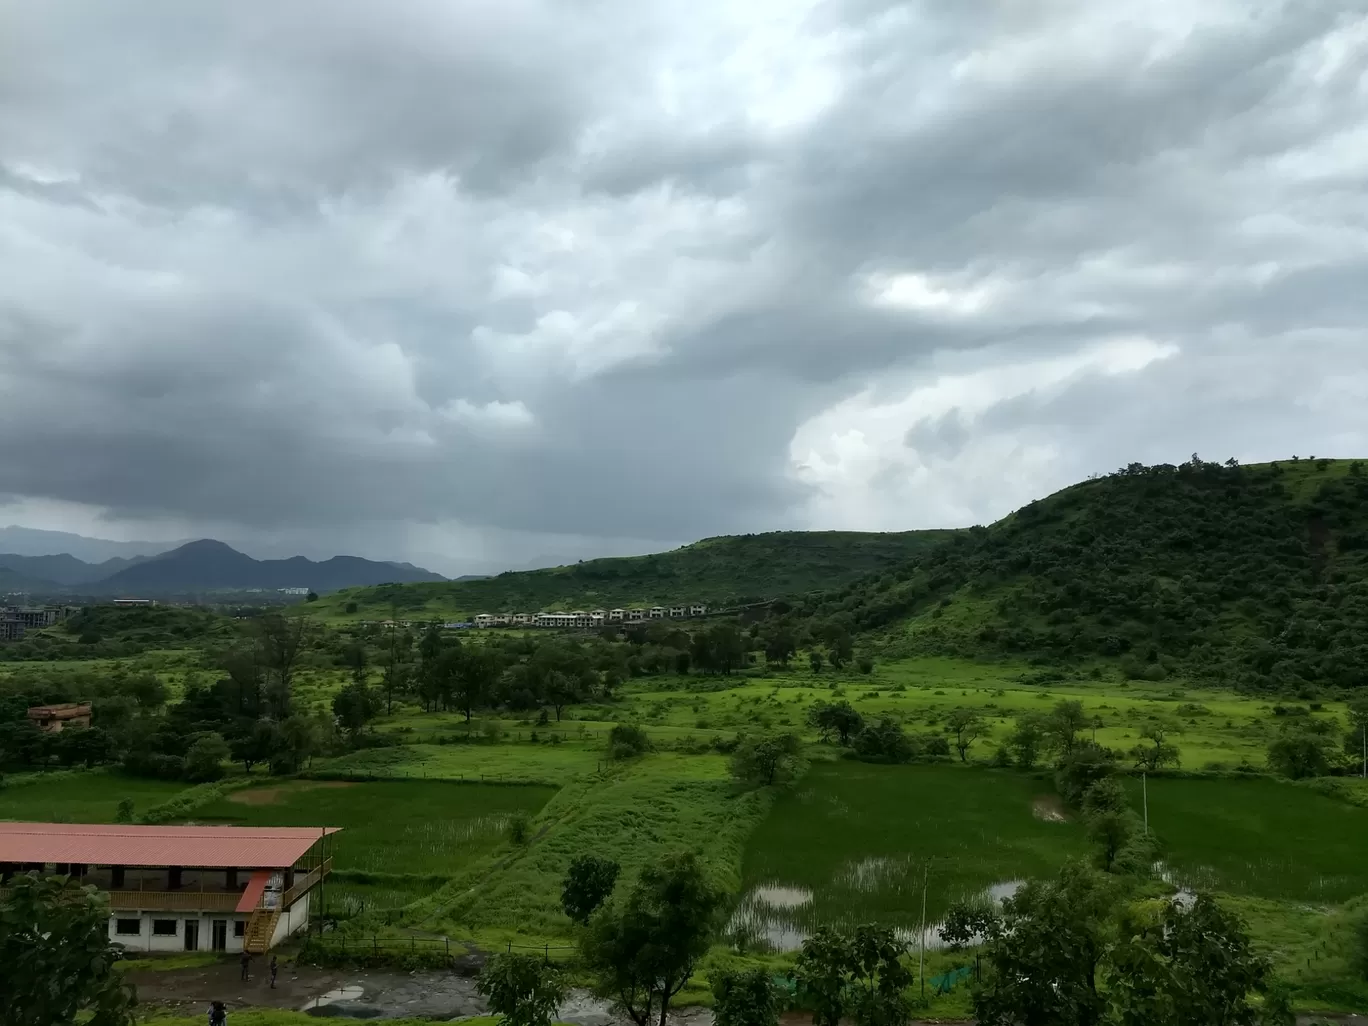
92	797
412	827
855	843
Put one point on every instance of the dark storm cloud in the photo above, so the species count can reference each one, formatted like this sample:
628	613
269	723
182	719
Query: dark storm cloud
659	271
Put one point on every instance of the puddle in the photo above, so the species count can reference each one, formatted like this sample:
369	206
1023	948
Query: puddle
783	897
334	996
778	917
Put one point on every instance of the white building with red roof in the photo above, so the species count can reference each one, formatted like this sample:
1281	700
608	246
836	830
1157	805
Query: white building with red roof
184	888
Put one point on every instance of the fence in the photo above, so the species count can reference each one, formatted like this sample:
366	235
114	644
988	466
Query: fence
376	948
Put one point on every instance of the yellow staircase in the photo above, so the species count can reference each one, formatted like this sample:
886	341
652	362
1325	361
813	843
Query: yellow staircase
260	929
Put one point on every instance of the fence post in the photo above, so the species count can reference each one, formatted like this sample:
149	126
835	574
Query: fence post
413	943
447	941
375	945
546	955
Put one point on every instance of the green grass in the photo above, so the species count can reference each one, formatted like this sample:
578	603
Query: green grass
539	762
1260	838
428	827
280	1017
853	843
632	812
83	798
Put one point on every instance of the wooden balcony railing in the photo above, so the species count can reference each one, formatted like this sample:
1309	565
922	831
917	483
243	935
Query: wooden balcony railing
303	883
152	901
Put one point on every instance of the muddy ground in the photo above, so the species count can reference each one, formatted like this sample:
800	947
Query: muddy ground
379	995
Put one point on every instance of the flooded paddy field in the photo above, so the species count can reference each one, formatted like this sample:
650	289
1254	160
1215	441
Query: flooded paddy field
1258	837
855	843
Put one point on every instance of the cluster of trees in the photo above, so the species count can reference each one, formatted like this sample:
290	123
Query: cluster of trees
1059	734
1162	568
1073	952
884	740
1315	746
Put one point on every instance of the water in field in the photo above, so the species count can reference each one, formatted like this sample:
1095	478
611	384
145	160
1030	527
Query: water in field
776	917
867	844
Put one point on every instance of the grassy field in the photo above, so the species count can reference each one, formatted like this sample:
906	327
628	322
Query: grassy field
532	762
423	827
83	797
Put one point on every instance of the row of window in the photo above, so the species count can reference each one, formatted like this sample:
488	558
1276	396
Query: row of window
163	927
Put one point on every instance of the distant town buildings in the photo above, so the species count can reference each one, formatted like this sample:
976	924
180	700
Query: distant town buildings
592	618
130	603
55	718
15	620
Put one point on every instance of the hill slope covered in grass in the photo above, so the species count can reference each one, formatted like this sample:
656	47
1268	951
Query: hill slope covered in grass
1256	576
718	571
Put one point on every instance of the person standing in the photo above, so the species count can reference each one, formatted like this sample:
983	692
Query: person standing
274	969
246	962
218	1014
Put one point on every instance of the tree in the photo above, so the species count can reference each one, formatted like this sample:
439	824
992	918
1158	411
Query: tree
884	741
282	639
125	813
780	643
1043	960
815	660
1299	754
858	974
1080	769
1110	820
1158	753
477	671
59	962
204	759
257	745
821	974
1194	965
311	597
840	648
301	738
1356	739
966	922
355	706
838	719
355	657
745	997
643	954
967	726
626	741
765	760
522	989
588	884
1026	740
1063	726
561	690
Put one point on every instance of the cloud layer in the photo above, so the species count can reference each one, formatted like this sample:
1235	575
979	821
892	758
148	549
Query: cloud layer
491	283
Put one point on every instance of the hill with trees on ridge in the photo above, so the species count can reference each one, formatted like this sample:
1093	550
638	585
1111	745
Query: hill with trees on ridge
1255	576
724	571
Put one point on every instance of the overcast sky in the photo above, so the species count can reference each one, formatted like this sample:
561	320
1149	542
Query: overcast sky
484	283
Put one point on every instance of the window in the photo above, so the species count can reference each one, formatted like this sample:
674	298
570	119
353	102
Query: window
163	928
240	928
128	927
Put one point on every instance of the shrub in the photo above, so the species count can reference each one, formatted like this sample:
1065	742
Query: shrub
626	741
518	827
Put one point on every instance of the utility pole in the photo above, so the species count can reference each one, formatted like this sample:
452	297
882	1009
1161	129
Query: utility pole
921	957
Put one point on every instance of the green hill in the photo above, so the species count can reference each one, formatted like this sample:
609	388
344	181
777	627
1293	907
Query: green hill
717	571
1256	576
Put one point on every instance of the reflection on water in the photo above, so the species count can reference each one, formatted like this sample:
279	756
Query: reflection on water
779	917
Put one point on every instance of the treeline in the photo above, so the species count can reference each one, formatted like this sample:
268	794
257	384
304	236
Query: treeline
1252	576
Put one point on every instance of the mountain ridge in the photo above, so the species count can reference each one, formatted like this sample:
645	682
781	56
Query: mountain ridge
200	566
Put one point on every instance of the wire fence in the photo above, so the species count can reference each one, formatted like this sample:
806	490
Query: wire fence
376	947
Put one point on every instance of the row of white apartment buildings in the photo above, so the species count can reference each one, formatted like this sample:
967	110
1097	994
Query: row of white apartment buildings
593	618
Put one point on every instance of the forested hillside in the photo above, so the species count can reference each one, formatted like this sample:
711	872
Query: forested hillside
718	571
1252	575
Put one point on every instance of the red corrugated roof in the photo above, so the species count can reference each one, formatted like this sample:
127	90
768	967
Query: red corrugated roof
256	887
210	847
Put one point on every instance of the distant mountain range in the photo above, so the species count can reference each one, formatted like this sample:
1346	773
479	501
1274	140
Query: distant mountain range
196	567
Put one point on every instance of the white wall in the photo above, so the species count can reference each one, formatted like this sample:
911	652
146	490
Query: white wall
293	920
145	940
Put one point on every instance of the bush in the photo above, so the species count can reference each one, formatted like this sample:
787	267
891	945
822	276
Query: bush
518	827
745	997
626	741
884	741
204	760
